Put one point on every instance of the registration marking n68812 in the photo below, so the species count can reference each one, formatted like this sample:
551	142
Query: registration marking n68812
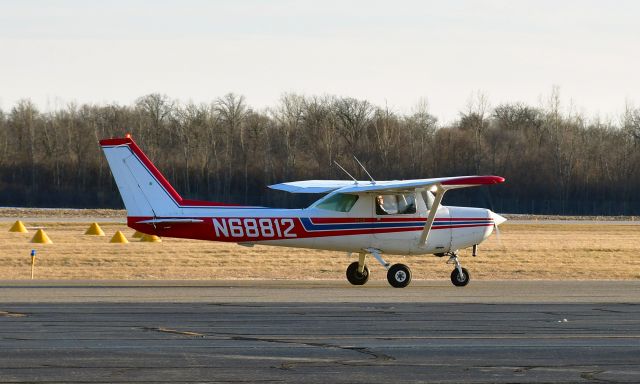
254	227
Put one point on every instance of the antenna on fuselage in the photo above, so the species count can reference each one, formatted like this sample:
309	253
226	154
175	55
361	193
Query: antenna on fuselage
365	170
345	171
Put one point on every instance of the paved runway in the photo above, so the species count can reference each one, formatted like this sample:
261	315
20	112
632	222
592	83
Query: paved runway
319	332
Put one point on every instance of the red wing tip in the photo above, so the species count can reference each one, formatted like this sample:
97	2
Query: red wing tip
475	180
116	141
494	179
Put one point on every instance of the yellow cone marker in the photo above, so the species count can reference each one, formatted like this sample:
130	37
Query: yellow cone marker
41	238
151	238
119	238
18	226
138	235
94	230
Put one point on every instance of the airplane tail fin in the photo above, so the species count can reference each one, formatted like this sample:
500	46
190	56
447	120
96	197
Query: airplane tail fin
144	190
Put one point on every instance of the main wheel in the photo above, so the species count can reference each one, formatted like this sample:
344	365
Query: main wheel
399	275
460	280
355	277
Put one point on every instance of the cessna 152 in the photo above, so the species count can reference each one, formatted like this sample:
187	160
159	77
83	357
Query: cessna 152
365	217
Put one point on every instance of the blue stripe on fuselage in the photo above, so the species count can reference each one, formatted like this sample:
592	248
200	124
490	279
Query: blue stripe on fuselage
310	226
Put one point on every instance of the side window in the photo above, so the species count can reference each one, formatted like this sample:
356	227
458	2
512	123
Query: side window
340	202
397	204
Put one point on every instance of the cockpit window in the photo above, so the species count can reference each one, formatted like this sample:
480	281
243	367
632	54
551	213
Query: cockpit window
397	204
340	202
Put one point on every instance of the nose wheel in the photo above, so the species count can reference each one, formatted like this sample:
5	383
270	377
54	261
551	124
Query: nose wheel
459	276
460	279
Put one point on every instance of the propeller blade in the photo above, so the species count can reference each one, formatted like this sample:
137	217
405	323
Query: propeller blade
497	220
495	227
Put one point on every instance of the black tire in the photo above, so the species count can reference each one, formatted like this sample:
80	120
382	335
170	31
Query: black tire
460	281
355	277
399	275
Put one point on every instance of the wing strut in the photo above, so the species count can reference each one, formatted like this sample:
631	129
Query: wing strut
432	215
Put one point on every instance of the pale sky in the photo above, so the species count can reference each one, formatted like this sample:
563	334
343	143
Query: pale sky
388	52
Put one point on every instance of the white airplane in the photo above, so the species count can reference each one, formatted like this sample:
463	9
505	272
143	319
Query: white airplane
365	217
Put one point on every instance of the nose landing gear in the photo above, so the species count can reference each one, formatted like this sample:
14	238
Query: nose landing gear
459	276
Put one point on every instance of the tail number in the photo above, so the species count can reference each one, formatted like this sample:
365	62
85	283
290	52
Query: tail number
250	227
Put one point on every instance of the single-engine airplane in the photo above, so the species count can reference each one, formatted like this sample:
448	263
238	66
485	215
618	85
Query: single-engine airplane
403	217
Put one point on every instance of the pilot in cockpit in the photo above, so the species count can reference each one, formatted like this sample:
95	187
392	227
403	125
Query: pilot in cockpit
380	209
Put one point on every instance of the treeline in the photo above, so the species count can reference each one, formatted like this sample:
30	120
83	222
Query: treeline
554	161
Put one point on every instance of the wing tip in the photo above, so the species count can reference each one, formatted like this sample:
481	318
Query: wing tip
475	180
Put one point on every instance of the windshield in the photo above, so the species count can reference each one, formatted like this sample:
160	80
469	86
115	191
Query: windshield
340	202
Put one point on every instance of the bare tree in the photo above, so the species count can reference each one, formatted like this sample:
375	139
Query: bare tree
420	130
385	126
631	123
155	110
353	117
231	110
475	120
289	116
320	130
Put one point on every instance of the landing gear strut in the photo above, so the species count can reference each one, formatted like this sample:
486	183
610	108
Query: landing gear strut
398	275
358	272
459	276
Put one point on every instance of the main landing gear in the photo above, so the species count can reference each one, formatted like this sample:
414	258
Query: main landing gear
358	272
399	275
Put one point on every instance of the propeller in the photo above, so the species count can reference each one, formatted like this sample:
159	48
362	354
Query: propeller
497	220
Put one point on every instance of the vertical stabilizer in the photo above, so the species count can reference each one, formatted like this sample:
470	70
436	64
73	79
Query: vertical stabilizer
144	191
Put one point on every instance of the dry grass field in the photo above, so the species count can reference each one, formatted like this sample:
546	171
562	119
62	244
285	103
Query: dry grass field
528	251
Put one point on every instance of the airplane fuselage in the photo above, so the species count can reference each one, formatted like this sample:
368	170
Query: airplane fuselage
454	228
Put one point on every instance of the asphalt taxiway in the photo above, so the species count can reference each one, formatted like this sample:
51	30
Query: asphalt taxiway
259	331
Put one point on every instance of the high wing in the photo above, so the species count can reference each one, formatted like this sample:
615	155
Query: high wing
348	186
315	186
444	183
